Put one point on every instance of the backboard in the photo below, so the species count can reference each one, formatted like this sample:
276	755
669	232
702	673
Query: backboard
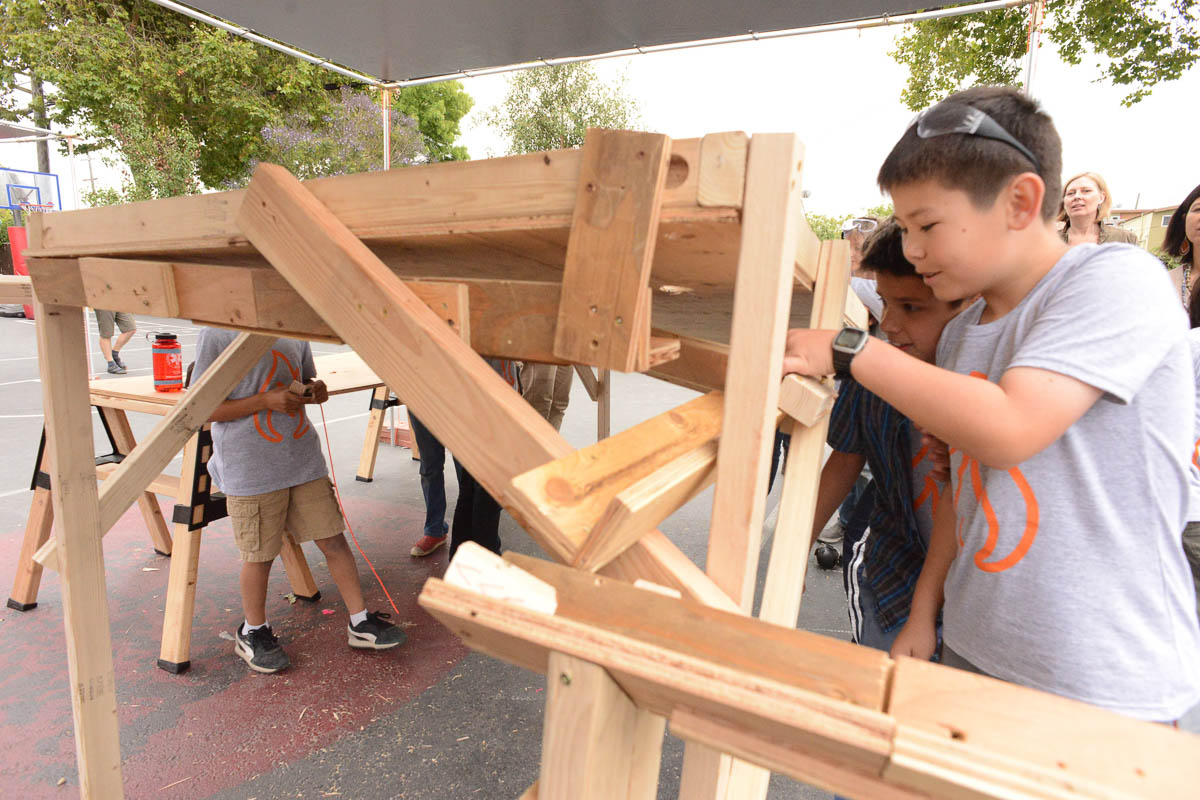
18	187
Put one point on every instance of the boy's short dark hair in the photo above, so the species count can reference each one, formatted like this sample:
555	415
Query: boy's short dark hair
977	165
883	252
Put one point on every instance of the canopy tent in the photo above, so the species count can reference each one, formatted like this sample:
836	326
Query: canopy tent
427	40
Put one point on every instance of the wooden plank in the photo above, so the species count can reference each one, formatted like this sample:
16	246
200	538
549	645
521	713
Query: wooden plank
296	565
568	496
722	179
122	433
366	461
701	365
39	523
640	507
596	744
603	404
16	289
611	249
792	542
966	735
755	364
464	197
110	285
531	793
662	669
64	370
806	400
773	237
179	607
661	350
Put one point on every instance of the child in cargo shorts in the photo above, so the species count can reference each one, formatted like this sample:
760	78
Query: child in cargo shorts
267	460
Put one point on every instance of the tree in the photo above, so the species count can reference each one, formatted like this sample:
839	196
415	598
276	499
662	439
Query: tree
438	108
552	107
1137	44
156	86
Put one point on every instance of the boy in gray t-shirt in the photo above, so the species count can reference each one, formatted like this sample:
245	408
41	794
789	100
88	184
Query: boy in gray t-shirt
1065	396
267	460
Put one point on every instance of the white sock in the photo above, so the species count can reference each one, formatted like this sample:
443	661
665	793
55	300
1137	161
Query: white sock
357	618
247	627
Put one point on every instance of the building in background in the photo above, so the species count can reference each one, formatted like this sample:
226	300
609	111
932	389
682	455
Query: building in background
1148	224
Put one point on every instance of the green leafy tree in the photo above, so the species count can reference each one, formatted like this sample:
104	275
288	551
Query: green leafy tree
438	109
552	107
1136	44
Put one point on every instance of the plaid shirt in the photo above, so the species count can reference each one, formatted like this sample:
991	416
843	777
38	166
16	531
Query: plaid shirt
863	424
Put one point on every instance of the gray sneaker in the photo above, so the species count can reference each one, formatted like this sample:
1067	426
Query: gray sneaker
115	369
117	359
375	633
260	649
833	533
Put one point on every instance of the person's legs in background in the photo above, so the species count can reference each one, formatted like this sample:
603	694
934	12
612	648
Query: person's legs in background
564	374
476	515
128	327
433	486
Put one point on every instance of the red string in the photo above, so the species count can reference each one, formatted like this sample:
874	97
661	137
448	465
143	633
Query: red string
342	508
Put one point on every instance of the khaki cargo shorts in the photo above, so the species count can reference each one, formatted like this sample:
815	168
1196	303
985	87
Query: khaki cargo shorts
107	321
308	512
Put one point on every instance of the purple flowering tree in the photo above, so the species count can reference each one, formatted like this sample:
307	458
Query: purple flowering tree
347	139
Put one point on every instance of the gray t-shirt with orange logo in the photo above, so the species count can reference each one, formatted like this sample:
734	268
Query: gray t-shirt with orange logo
269	450
1070	576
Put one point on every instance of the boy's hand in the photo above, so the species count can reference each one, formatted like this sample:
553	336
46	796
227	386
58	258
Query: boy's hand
318	392
283	400
939	455
916	639
808	352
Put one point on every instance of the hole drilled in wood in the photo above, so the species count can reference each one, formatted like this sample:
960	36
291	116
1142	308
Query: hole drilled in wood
677	172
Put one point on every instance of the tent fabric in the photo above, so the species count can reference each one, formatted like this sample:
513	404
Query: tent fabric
397	41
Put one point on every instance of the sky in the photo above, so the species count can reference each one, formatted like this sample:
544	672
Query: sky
839	92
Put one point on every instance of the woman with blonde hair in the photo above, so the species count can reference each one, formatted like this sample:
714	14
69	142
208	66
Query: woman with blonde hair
1085	205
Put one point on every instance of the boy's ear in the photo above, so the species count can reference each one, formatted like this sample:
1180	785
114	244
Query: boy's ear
1023	200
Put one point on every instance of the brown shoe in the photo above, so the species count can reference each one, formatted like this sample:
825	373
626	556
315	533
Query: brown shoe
426	545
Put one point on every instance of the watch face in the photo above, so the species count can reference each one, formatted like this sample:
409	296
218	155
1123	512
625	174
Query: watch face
849	338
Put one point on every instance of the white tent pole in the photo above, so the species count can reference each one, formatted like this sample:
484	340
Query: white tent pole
387	127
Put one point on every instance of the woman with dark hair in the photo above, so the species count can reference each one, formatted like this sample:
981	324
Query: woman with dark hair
1181	242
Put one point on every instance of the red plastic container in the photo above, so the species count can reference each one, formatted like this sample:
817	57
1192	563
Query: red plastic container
168	363
18	243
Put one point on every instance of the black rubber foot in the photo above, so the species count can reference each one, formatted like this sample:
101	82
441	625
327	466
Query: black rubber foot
827	557
175	668
364	480
161	553
312	599
15	606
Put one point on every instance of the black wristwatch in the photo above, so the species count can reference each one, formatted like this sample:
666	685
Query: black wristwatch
846	345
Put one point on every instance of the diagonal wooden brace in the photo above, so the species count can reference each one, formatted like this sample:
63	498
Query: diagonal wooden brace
604	313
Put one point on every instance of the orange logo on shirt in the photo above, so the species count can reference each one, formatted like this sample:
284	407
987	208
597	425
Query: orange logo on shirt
262	418
989	513
930	491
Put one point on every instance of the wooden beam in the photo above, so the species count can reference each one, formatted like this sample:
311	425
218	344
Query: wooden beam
175	648
463	197
723	169
761	302
16	289
610	249
588	379
603	404
38	524
162	484
961	734
701	365
366	461
567	497
156	524
64	370
640	507
150	283
806	400
596	744
791	544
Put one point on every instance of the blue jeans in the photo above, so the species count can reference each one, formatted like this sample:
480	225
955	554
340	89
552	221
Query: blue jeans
433	481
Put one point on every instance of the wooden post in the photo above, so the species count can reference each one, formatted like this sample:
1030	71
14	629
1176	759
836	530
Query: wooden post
304	586
175	650
38	525
604	404
366	462
596	744
773	218
64	370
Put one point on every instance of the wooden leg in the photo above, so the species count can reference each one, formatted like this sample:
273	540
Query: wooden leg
416	451
175	653
603	404
296	566
64	372
596	744
118	423
366	462
37	532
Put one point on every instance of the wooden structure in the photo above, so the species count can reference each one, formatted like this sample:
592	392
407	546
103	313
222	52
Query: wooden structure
196	503
686	259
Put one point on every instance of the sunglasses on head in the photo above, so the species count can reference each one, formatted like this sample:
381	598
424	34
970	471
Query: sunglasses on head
860	224
947	118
